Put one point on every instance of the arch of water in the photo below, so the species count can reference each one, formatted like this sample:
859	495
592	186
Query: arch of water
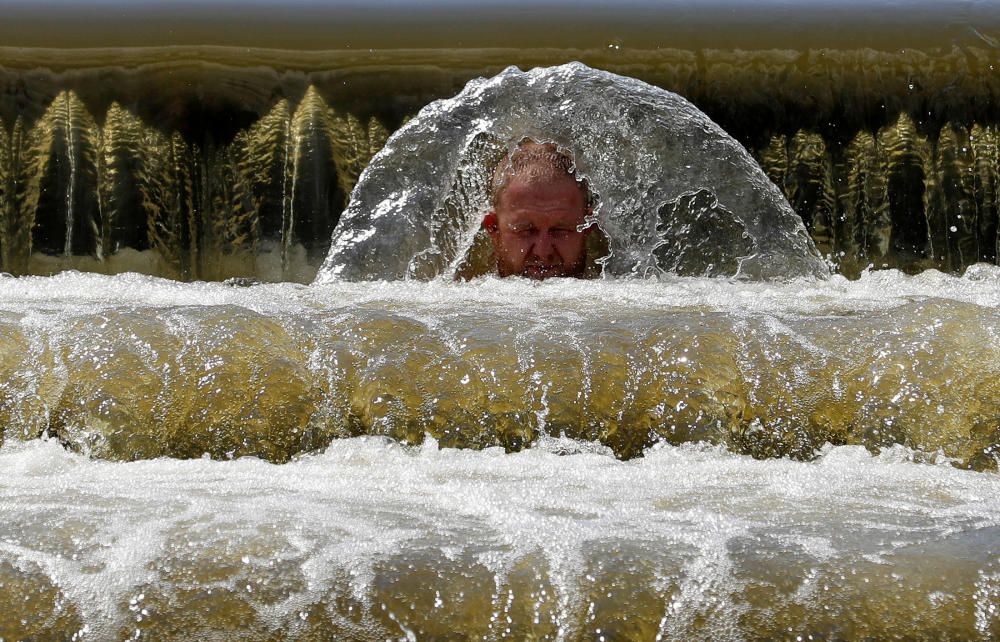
676	194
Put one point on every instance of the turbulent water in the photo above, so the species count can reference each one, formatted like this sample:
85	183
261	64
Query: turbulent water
243	166
674	193
373	541
644	459
538	529
134	367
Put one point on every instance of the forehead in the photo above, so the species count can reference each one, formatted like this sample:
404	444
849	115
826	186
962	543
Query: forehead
561	197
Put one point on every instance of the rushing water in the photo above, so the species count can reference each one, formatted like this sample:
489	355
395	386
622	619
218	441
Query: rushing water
133	367
209	162
646	459
363	537
672	192
372	541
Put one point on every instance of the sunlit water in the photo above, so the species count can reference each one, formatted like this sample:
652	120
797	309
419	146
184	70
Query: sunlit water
664	459
543	537
672	192
201	163
134	367
372	540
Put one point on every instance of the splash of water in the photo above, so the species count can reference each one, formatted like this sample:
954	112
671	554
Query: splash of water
664	175
907	191
370	540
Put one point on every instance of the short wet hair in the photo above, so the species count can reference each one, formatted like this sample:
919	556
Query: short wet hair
538	162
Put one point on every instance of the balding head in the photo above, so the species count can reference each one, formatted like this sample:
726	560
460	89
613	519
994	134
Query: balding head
533	163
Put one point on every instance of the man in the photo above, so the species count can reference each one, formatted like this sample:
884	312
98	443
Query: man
537	218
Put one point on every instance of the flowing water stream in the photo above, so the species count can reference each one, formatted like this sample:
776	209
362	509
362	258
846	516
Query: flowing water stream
208	162
744	428
371	541
359	536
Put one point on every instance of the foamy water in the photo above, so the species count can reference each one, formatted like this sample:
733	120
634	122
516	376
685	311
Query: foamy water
374	540
367	538
877	290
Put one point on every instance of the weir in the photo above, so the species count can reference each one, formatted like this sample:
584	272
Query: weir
209	155
280	397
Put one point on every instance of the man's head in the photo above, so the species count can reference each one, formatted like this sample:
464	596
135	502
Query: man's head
538	208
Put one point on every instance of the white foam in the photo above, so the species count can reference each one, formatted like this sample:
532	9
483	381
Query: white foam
874	291
100	530
364	500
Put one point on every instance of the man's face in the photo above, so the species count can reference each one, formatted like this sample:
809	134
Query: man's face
534	228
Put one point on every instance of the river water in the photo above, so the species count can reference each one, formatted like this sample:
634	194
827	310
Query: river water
373	540
620	459
685	458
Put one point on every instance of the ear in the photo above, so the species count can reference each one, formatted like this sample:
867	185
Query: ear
490	222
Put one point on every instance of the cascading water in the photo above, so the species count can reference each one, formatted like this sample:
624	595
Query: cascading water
888	154
624	458
361	537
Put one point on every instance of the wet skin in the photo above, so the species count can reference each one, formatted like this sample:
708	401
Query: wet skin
535	228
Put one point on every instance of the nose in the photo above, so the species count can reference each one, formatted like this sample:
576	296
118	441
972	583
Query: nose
544	248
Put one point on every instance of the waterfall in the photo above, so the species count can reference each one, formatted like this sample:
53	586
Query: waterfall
678	453
882	160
